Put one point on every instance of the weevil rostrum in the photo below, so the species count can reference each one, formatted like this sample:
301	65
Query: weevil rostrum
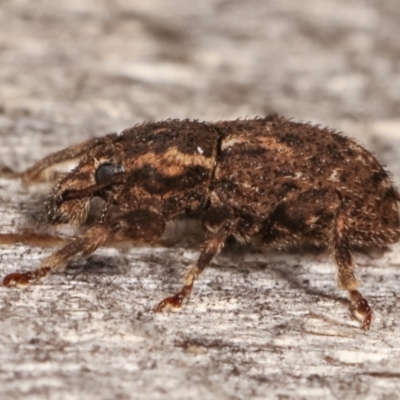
270	182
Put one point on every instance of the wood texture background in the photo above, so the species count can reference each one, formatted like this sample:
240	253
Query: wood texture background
257	325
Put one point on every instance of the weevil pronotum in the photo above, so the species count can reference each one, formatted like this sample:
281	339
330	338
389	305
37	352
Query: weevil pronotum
267	181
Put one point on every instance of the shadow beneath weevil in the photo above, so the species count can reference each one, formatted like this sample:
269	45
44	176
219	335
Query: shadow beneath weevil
304	285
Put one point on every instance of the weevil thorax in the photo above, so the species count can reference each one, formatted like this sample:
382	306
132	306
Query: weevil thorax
169	166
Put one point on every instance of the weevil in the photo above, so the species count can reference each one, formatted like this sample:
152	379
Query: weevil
269	182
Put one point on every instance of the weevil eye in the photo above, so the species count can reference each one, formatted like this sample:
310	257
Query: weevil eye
106	170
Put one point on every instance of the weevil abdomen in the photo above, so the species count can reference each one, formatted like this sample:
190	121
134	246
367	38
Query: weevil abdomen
274	166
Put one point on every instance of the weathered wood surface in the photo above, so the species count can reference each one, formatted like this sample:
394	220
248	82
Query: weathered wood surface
257	325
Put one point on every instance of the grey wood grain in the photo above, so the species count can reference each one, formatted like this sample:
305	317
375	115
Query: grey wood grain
257	325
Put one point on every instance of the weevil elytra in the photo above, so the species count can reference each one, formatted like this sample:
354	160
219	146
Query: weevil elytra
268	181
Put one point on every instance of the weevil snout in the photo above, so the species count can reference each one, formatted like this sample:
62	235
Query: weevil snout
63	207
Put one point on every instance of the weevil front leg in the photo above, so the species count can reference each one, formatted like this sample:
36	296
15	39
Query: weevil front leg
85	244
210	250
139	226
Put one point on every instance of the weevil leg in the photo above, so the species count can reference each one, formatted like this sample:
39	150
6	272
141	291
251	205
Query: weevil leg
139	226
85	244
346	279
37	172
210	250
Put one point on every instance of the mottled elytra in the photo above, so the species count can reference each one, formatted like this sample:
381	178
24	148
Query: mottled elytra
269	181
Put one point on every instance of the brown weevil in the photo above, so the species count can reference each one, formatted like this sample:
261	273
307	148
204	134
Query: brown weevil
270	182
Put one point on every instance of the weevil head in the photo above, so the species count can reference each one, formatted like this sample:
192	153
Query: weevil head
59	208
69	201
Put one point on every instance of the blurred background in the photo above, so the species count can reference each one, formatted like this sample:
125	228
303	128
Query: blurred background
71	70
85	67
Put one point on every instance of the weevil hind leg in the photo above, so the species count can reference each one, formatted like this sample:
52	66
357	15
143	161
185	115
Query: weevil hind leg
346	279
